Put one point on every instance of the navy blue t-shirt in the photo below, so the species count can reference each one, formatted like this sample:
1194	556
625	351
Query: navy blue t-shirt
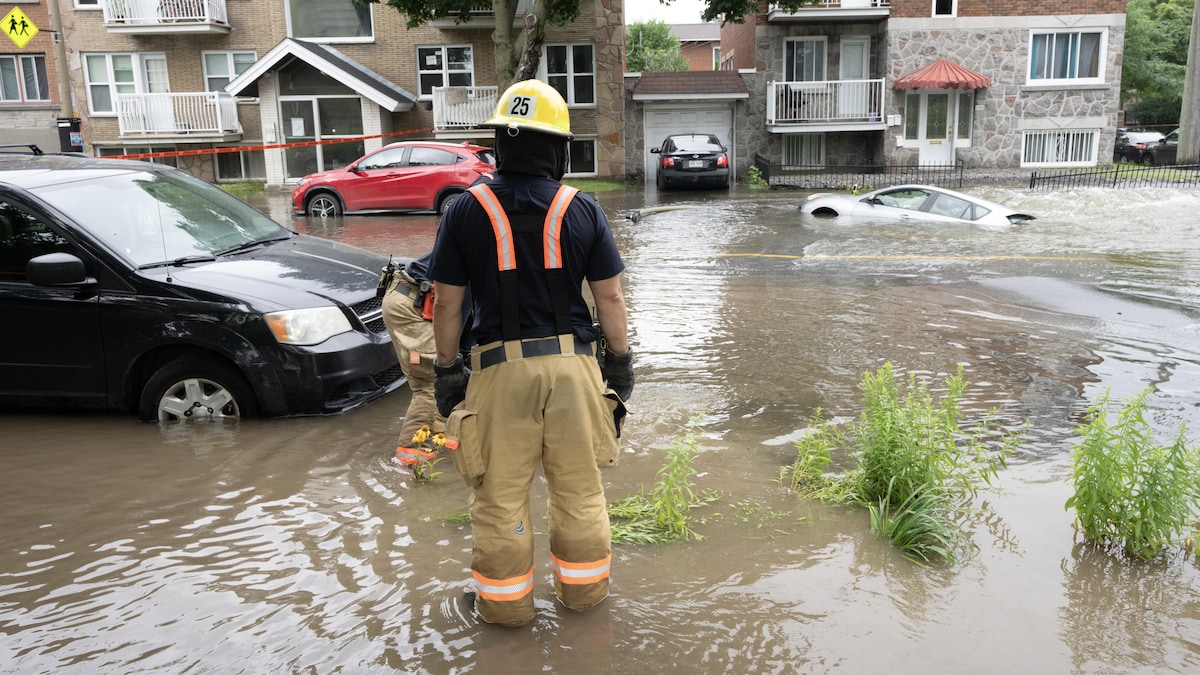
465	255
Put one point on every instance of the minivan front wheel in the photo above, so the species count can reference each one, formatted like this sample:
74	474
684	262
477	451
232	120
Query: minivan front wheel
196	388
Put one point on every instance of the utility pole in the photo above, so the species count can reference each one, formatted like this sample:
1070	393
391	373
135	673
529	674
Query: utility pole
65	109
1189	118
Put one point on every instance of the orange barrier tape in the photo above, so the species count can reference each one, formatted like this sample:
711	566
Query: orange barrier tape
274	146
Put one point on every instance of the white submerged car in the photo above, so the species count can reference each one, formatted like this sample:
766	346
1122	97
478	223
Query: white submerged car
914	202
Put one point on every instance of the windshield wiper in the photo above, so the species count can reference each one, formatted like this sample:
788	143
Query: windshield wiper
178	262
247	245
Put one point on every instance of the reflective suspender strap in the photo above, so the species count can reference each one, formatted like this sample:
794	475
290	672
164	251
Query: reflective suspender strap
580	573
503	590
552	258
506	260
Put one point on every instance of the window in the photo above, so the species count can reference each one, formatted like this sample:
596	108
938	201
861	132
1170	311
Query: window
91	4
571	69
966	111
388	158
109	75
804	59
329	20
246	165
451	66
912	117
121	152
22	238
1060	147
804	150
582	157
943	7
1070	56
432	157
222	67
716	64
23	78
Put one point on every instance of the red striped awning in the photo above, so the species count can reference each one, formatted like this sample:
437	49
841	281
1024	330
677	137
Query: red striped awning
942	74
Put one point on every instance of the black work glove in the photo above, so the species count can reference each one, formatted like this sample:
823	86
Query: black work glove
450	384
618	372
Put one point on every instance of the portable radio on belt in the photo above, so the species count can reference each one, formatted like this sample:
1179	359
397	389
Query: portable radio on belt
385	278
426	296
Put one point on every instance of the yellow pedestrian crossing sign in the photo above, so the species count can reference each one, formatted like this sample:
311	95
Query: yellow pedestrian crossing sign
20	28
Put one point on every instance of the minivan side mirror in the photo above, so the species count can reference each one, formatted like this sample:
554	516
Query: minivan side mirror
57	269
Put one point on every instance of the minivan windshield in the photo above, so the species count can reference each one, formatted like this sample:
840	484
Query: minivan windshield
151	217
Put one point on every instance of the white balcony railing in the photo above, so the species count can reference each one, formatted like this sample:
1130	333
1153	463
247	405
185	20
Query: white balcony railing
825	102
177	114
161	12
462	107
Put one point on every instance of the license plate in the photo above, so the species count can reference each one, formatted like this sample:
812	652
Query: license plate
696	164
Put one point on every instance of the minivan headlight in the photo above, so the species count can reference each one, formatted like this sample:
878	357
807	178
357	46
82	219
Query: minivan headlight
307	326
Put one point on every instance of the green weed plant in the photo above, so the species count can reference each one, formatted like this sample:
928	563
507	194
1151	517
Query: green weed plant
664	514
912	459
755	179
1131	494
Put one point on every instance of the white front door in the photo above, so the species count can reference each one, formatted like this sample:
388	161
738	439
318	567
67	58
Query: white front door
854	90
936	127
160	109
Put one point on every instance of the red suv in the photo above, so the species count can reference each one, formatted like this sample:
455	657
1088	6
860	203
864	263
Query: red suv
406	176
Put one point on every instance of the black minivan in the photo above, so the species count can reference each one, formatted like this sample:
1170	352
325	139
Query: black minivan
135	287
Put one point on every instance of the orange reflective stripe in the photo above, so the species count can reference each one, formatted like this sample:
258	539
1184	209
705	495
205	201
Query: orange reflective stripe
580	573
412	455
505	255
552	242
501	590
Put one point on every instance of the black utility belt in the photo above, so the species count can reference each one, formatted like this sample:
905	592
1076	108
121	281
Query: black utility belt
531	347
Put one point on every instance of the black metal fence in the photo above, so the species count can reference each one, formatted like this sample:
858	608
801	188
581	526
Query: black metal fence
860	177
1119	176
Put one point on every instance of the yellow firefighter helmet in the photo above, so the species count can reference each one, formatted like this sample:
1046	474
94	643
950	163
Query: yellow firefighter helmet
532	104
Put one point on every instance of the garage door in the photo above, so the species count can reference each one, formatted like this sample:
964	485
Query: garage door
697	118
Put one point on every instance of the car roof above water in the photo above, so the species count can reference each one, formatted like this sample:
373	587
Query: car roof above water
30	171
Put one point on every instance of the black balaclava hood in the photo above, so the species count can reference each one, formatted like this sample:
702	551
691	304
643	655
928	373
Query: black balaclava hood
531	152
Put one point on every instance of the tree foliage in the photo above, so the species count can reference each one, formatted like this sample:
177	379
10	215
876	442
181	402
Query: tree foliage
651	47
517	50
1154	63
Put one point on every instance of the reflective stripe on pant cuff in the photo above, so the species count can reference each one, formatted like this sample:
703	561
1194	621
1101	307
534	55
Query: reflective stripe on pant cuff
580	573
502	590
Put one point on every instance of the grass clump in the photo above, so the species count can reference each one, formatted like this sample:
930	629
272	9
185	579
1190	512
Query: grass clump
755	179
1131	494
243	188
664	514
913	461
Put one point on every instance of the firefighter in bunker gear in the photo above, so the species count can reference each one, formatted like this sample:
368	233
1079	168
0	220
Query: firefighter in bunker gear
524	243
412	337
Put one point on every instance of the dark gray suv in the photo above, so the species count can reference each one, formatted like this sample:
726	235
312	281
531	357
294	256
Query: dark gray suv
135	287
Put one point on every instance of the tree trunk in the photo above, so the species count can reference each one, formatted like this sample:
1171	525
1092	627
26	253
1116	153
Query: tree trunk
534	38
502	38
1189	118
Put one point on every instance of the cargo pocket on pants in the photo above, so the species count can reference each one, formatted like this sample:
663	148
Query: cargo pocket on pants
462	440
607	448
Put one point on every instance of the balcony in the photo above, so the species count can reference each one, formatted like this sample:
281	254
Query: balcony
832	10
481	18
462	108
149	17
199	118
825	105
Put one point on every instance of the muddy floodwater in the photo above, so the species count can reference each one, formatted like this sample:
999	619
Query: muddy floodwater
296	546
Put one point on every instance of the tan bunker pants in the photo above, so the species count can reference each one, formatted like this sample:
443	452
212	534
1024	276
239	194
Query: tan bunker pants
546	410
412	337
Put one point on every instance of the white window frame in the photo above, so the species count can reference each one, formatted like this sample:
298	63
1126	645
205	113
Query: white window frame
1062	148
595	164
953	9
20	63
444	71
822	43
287	10
139	85
572	93
1102	57
230	63
87	4
797	148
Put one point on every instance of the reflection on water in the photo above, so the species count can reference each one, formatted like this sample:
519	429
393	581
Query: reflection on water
296	546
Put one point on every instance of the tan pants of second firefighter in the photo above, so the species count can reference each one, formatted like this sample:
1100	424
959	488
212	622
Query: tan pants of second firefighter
546	410
413	334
